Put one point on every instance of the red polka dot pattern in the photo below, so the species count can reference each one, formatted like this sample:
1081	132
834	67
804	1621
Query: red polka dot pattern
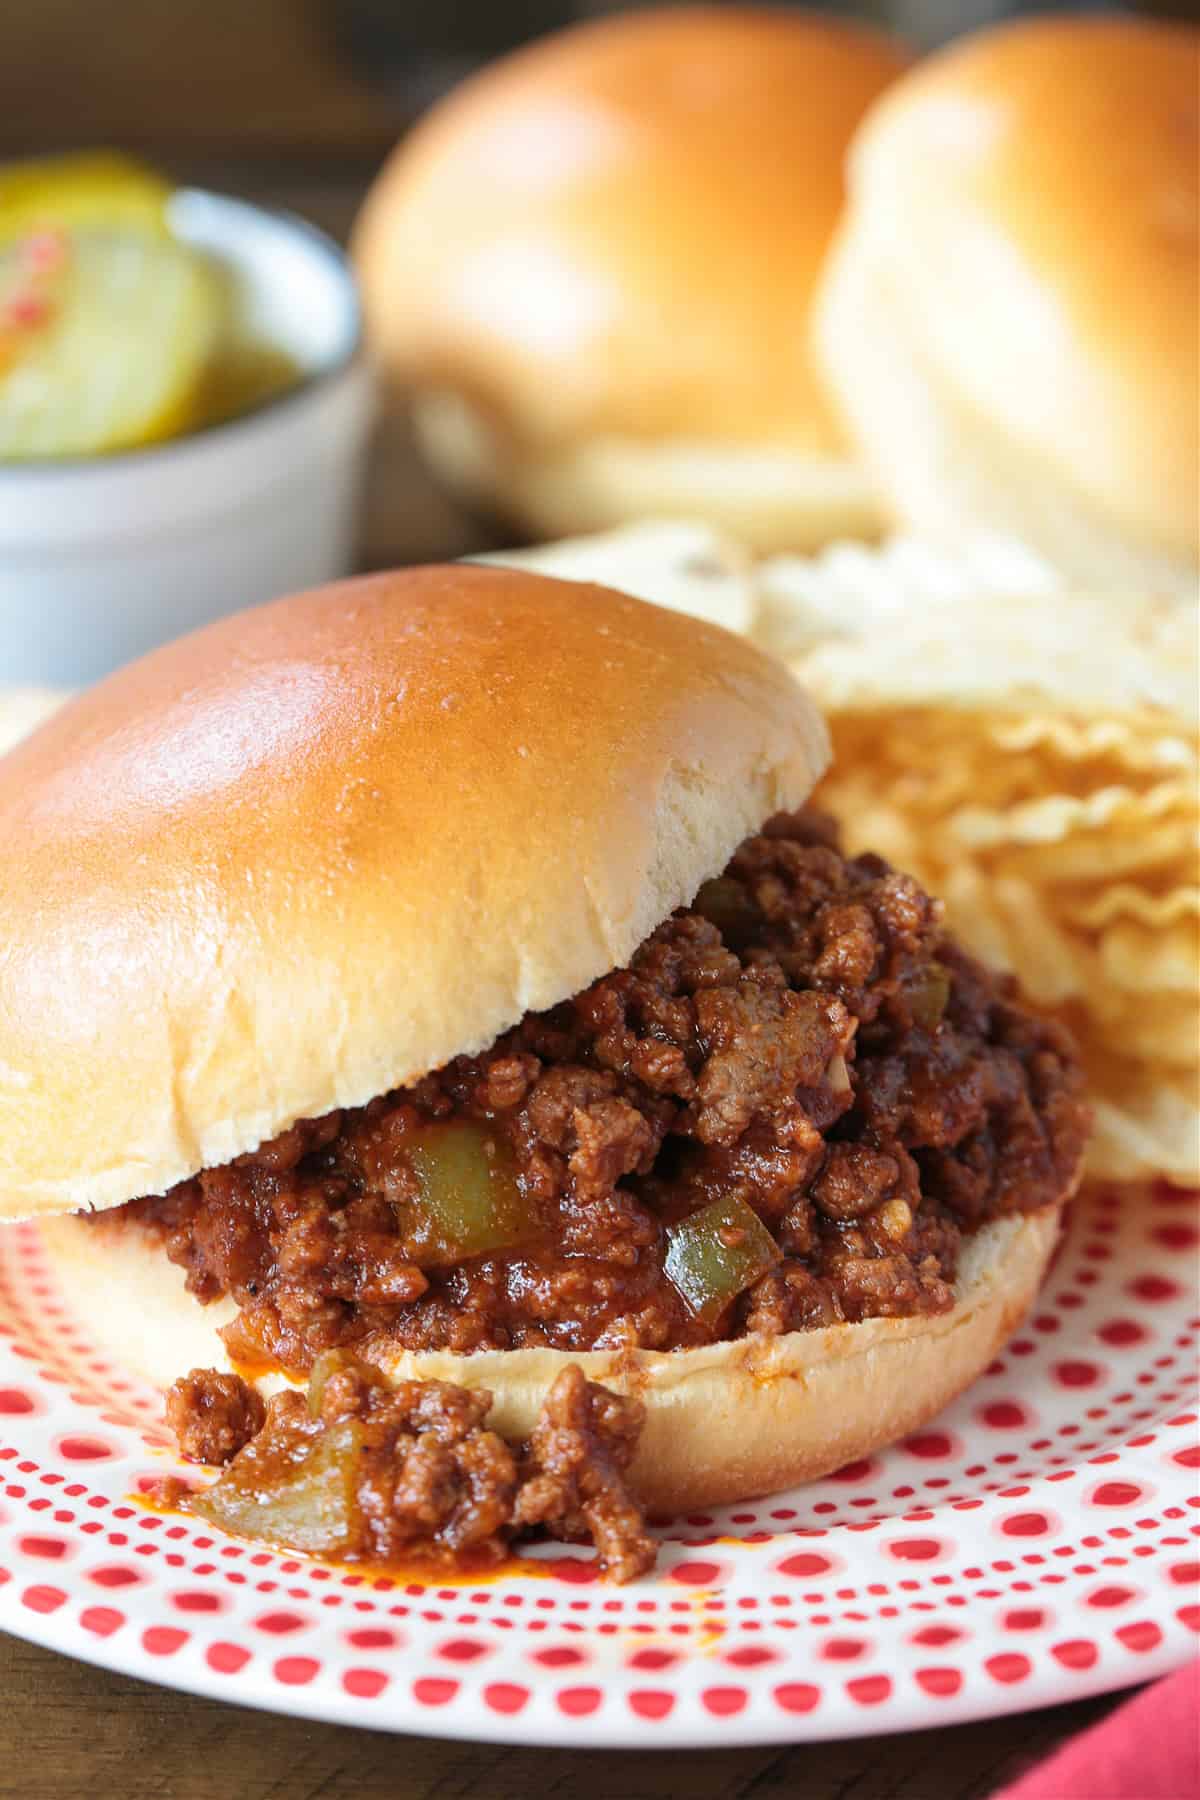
1038	1541
932	1446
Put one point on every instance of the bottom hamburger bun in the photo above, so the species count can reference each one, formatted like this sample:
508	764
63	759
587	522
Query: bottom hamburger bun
772	496
724	1422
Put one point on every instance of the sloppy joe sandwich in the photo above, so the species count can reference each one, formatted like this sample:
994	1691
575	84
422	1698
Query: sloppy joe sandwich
439	970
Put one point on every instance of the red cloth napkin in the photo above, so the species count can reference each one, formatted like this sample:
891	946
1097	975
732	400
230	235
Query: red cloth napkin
1149	1749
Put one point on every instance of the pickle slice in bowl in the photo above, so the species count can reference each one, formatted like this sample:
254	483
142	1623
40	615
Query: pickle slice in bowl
106	338
96	188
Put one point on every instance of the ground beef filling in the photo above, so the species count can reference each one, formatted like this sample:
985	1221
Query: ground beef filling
803	1051
366	1472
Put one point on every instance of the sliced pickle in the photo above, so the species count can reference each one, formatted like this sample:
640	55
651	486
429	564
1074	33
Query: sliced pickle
717	1253
470	1199
105	346
310	1504
95	188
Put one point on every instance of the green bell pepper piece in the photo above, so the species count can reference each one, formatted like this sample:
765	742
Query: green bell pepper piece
470	1200
716	1253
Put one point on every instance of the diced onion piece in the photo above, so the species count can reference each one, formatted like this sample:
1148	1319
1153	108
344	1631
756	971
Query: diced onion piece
717	1253
470	1201
928	997
309	1505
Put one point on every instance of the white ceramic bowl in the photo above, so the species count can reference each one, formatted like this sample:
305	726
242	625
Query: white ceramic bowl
102	558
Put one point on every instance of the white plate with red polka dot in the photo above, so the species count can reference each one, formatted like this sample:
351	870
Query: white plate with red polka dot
1036	1543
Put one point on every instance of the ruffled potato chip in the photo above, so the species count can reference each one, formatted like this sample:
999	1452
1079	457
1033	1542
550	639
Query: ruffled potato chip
1147	1121
1124	901
982	628
1160	851
1159	1031
1138	958
1066	851
685	567
1056	818
1137	743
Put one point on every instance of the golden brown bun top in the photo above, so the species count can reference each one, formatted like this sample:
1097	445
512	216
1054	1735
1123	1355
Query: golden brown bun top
320	848
618	229
1038	185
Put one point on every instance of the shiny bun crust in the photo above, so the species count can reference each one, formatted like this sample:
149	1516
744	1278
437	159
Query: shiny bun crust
593	266
724	1422
1009	315
320	848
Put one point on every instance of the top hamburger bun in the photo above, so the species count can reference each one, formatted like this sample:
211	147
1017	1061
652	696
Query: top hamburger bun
1009	315
592	266
251	865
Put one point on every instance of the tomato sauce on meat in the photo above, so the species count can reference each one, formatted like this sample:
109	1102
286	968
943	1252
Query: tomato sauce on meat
784	1113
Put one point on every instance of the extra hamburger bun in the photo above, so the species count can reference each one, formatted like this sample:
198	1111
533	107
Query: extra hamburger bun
313	852
1009	315
592	268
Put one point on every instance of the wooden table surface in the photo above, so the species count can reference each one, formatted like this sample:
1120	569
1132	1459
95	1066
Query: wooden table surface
67	1730
70	1732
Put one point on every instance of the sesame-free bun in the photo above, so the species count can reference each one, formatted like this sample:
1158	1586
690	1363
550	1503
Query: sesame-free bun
1009	314
723	1422
320	848
592	268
